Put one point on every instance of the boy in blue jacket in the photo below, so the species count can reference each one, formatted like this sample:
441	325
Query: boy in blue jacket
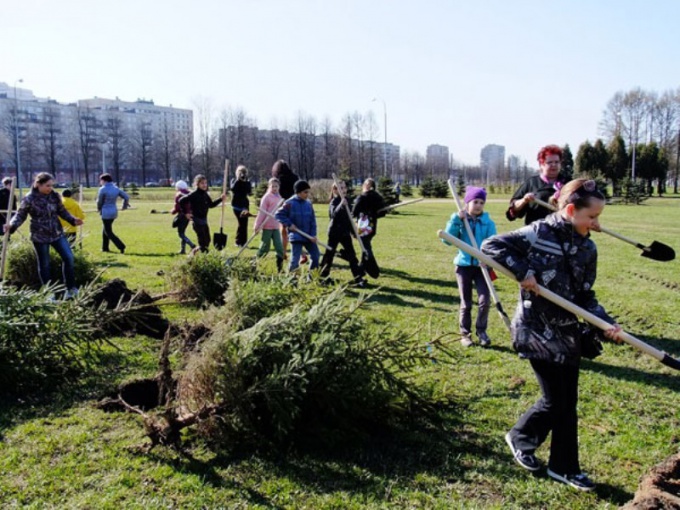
468	270
297	214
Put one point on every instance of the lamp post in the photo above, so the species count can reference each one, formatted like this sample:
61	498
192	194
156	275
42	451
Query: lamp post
16	132
385	124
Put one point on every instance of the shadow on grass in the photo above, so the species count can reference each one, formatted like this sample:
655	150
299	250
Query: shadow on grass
393	296
55	399
437	282
670	381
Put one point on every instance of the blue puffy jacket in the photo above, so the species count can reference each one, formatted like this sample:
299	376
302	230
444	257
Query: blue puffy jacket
106	200
482	227
299	212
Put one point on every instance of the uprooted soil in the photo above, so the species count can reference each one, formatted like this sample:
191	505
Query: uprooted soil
660	488
144	319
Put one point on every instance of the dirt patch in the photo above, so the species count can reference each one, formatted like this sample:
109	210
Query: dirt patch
660	488
143	317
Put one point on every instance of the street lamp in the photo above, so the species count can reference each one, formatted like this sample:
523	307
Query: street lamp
16	132
385	123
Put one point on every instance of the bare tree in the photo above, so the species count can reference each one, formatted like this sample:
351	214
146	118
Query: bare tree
143	148
88	134
118	140
165	150
207	146
50	138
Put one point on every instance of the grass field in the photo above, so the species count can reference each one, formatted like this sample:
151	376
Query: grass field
66	453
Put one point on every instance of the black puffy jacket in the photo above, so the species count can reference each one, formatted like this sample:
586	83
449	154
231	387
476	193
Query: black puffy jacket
564	262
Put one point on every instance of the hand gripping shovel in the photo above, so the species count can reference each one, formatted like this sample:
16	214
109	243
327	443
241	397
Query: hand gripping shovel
655	251
661	356
485	271
220	239
369	263
297	230
5	237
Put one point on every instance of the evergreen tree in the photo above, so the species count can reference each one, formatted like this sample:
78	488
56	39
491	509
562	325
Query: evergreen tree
567	162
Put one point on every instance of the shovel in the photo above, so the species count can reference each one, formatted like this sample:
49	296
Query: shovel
5	237
394	206
658	355
485	270
655	251
220	239
369	263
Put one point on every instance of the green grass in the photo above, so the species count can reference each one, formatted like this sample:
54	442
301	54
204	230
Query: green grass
64	452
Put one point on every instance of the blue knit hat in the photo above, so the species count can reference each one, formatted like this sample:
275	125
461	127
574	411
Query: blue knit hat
472	193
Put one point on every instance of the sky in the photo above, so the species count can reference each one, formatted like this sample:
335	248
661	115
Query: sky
519	73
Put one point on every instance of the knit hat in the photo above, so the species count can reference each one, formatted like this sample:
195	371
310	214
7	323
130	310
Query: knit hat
472	193
181	185
301	186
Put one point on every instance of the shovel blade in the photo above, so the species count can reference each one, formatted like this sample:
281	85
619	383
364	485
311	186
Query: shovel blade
219	240
658	251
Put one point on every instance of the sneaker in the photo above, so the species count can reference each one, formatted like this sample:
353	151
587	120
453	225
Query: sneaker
362	284
484	339
579	481
71	293
466	341
526	460
303	259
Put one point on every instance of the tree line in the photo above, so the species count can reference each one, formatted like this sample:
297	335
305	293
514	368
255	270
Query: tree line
641	143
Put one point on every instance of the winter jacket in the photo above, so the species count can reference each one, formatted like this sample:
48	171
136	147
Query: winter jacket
299	212
482	227
197	203
239	193
106	200
368	204
45	211
4	200
269	203
543	191
287	184
564	262
74	210
341	223
177	209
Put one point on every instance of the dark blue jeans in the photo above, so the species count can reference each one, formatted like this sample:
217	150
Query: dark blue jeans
311	248
63	248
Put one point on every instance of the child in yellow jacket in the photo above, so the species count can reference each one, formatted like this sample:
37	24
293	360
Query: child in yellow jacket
75	210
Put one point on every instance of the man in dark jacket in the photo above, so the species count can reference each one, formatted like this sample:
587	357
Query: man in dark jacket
5	199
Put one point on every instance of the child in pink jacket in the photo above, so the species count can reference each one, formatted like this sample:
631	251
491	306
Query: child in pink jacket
270	227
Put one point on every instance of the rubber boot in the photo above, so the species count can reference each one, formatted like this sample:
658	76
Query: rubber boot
279	264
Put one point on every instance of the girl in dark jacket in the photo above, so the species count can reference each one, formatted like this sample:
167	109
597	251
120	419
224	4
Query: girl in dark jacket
367	210
240	189
340	232
287	180
196	205
557	253
45	207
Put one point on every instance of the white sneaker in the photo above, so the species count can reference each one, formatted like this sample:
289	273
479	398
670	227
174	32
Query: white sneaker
466	341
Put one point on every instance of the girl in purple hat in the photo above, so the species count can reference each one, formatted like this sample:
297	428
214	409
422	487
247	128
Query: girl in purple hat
468	271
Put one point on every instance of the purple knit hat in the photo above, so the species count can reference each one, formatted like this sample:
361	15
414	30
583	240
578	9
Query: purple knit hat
472	193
